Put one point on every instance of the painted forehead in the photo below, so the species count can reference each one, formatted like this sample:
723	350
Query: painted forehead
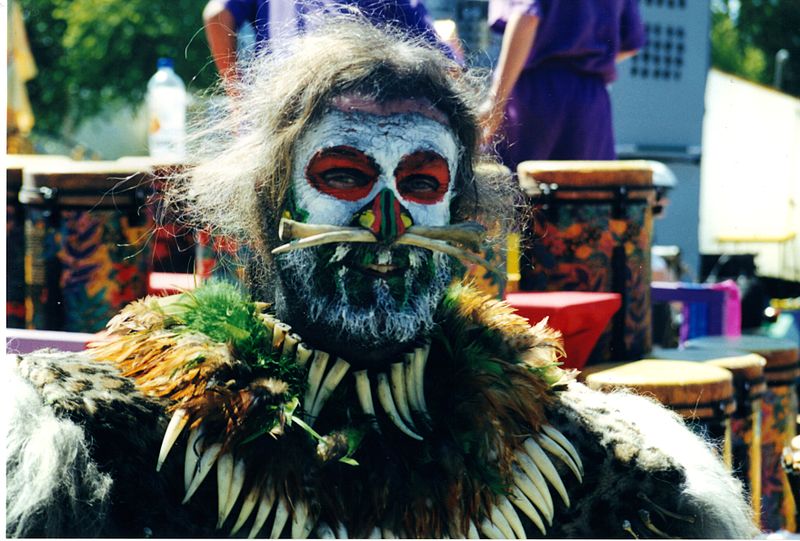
421	106
387	136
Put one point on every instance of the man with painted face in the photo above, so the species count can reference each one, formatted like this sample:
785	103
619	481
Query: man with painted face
369	395
358	166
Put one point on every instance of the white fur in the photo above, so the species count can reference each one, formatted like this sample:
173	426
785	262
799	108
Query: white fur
52	484
710	488
708	483
386	139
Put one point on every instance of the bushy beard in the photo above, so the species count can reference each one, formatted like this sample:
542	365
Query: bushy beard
323	285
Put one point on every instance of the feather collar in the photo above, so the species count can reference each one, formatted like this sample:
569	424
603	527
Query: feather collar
451	440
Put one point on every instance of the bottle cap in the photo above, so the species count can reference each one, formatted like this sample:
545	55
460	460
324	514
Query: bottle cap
165	62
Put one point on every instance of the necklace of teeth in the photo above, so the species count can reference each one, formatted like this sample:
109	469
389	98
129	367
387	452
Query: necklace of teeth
400	393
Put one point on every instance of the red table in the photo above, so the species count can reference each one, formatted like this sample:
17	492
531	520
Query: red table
580	316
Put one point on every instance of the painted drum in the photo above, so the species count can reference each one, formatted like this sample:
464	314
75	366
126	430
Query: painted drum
15	256
749	386
86	249
172	242
591	231
15	235
504	277
219	257
700	393
779	411
183	249
791	465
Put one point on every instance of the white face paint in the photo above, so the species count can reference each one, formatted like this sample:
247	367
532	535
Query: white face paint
348	158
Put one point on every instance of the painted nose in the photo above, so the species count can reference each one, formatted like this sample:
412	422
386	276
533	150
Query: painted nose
384	216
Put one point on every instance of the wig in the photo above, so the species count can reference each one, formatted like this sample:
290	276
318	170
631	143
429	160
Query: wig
238	185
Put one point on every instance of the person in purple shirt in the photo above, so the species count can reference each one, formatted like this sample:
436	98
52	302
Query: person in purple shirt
273	19
548	96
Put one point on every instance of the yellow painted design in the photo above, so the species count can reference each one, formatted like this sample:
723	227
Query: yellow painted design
366	219
407	221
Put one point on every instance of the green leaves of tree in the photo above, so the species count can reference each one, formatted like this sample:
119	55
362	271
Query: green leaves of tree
746	34
94	53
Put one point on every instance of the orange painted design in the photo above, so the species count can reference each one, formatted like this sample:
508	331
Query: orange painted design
431	167
347	162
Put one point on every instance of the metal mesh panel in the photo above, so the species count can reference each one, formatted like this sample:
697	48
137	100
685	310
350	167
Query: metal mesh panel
658	97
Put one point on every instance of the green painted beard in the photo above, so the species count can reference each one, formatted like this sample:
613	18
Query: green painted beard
412	271
340	290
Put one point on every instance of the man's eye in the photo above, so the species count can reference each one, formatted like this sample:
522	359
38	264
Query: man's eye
343	179
418	184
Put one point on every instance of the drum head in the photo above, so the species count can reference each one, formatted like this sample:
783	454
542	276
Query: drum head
692	389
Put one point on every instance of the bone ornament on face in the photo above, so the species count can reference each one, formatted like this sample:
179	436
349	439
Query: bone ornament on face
351	156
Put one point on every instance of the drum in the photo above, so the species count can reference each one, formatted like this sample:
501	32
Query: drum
701	394
86	250
504	276
592	231
749	387
220	258
173	243
15	236
791	465
779	410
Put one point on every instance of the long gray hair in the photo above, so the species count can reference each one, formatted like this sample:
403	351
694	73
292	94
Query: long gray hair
238	185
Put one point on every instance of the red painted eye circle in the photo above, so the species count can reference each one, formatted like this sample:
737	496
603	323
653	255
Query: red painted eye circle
342	172
423	177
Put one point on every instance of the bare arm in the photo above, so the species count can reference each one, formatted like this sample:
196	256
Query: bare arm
624	55
221	34
518	39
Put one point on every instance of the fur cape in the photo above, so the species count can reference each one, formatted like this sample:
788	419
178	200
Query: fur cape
473	426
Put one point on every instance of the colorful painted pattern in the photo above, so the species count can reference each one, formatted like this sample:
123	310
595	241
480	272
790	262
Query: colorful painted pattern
219	257
173	242
384	216
82	267
779	413
746	452
491	283
575	249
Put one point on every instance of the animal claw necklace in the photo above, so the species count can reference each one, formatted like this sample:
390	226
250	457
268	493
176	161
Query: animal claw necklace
450	440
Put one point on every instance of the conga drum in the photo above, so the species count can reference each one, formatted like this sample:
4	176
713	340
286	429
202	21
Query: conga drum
173	242
503	259
592	231
221	258
791	465
702	394
86	250
749	386
15	235
779	411
15	256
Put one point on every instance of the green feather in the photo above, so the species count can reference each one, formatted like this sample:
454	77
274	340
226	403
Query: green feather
221	311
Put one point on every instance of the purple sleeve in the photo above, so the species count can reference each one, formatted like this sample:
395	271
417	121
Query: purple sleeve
631	29
242	11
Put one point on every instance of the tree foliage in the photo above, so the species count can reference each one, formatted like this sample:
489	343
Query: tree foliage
730	54
746	34
94	53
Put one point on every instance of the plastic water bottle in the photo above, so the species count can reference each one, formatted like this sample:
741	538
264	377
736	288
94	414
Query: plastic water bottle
166	106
